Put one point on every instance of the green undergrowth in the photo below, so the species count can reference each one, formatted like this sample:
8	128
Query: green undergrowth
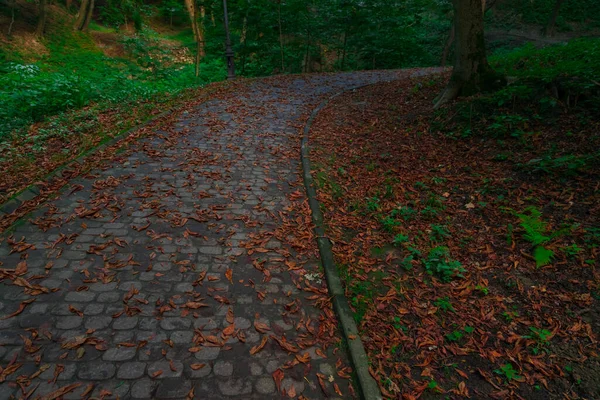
550	87
75	74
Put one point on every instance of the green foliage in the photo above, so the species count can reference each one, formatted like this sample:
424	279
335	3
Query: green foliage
440	264
536	233
443	303
438	233
400	239
74	76
508	372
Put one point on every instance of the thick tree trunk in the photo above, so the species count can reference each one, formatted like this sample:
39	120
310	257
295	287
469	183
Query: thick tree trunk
471	73
41	25
448	46
550	28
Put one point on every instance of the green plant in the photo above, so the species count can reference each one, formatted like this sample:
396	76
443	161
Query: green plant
536	232
443	303
438	233
400	239
439	263
372	204
508	372
390	223
407	213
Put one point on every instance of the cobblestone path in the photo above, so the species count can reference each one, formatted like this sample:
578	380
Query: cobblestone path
167	274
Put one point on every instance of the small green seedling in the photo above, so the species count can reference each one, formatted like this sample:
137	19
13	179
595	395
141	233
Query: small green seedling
508	372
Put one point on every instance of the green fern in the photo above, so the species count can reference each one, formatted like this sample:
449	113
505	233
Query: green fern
536	232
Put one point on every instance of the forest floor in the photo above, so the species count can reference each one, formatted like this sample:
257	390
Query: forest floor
181	261
470	262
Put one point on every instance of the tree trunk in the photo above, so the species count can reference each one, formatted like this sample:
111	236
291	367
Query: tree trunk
88	16
344	49
41	18
191	8
68	4
13	5
200	52
550	28
485	6
82	15
471	73
448	46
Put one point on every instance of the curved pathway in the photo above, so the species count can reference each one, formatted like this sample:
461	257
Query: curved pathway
166	274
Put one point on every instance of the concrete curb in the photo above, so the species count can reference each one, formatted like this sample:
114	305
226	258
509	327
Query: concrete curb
367	387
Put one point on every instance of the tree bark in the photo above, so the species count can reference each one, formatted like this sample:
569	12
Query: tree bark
191	8
448	46
13	5
550	28
471	73
200	52
84	16
88	16
41	25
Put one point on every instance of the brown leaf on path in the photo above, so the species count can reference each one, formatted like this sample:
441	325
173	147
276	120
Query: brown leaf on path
58	369
229	330
322	383
197	366
304	358
87	391
259	346
229	275
21	268
190	395
157	373
284	344
75	311
60	392
230	316
292	391
337	389
172	366
278	377
20	309
261	327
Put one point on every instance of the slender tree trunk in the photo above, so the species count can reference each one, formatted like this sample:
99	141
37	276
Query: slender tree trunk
280	35
550	28
307	54
69	3
191	8
471	72
13	5
41	25
200	52
344	49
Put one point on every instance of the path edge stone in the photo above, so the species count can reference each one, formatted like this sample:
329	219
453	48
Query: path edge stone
368	388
